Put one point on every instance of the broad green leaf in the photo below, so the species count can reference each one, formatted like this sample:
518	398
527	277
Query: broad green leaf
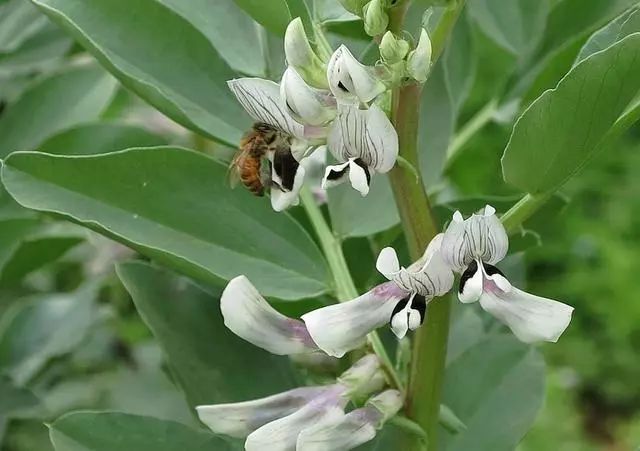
175	206
14	399
626	24
516	25
466	331
437	119
47	326
172	65
209	362
232	32
19	20
60	101
109	431
273	15
460	60
560	131
12	232
99	137
41	51
496	388
353	215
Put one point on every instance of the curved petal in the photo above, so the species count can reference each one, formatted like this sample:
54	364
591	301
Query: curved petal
429	276
359	176
339	328
348	431
335	175
531	318
307	105
364	134
387	263
409	314
471	282
242	418
351	81
282	434
480	237
281	200
249	315
261	100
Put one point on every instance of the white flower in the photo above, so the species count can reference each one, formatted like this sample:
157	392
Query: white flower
276	422
351	81
419	59
261	99
305	104
364	142
247	314
347	431
339	328
472	247
425	279
300	55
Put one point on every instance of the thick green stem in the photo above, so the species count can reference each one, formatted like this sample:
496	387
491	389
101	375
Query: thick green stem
522	210
343	283
430	342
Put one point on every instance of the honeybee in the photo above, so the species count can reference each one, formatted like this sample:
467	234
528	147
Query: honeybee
264	143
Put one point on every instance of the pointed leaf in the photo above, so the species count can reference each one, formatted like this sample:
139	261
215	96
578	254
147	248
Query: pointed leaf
175	206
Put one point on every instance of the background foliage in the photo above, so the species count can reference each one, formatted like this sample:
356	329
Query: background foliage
87	324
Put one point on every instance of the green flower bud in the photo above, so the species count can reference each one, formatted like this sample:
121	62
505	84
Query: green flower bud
354	6
375	17
392	49
419	59
301	56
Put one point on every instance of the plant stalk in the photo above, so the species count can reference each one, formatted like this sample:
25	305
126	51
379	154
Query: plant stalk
343	283
418	222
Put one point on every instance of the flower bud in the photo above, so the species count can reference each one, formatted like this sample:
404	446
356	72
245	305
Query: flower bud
375	18
354	6
364	377
300	55
388	403
419	60
392	49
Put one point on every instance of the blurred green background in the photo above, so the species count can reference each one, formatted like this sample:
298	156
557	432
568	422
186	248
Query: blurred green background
69	331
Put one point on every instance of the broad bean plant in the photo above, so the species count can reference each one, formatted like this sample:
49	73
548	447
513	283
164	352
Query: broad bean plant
284	190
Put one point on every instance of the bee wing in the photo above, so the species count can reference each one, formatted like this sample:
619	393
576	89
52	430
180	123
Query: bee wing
233	173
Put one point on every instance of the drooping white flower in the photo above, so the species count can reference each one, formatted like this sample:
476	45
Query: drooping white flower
350	81
261	99
347	431
339	328
306	104
276	422
472	247
364	142
247	314
425	279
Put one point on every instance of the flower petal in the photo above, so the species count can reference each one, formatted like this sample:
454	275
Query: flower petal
261	100
249	315
409	314
480	237
282	199
335	175
531	318
307	105
342	327
365	134
282	434
388	264
359	176
242	418
471	282
351	81
348	431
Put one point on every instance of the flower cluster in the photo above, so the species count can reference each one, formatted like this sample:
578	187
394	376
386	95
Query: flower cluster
334	104
470	247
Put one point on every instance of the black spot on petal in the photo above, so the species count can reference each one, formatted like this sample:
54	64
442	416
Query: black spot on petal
402	303
335	175
420	304
491	270
286	167
342	87
467	274
365	168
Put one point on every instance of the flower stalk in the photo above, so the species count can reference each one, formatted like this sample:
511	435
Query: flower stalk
430	342
343	283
